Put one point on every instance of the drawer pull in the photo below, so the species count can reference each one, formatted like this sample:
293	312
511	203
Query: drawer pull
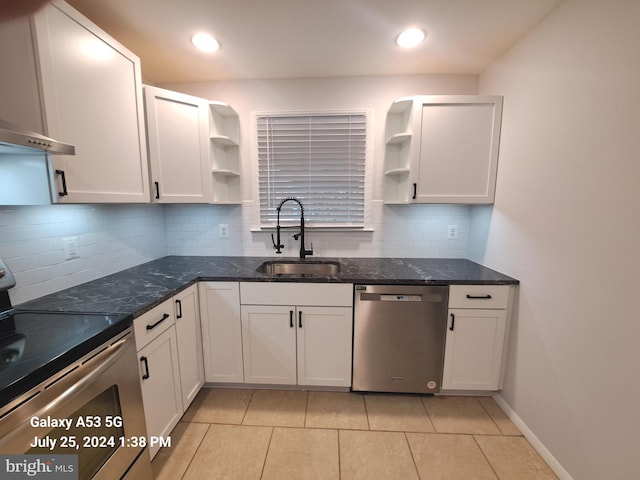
479	297
154	325
146	367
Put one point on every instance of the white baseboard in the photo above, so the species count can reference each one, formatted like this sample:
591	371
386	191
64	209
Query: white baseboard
535	442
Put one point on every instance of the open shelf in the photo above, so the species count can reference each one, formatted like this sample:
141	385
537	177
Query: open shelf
224	134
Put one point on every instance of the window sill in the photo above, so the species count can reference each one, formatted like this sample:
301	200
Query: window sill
313	229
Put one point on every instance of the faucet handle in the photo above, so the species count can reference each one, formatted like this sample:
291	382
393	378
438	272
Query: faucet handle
276	246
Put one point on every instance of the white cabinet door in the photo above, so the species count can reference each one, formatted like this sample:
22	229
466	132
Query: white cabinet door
458	154
269	344
160	381
221	331
178	136
92	98
473	352
189	341
324	337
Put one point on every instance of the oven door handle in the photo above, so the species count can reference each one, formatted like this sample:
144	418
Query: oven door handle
100	362
89	377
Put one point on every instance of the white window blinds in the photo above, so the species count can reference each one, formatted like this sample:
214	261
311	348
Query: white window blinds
319	159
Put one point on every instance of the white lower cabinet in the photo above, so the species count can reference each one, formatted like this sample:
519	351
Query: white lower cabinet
170	361
476	337
160	380
221	331
189	341
308	343
324	339
269	344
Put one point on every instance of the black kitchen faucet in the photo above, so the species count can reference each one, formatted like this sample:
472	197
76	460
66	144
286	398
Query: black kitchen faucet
276	243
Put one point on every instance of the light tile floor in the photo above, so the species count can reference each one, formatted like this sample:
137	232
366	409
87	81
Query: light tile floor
278	434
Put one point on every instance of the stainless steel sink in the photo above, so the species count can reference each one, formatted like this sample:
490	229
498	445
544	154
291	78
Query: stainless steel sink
290	267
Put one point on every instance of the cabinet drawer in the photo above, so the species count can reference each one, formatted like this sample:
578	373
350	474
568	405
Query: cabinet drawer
152	323
479	296
315	294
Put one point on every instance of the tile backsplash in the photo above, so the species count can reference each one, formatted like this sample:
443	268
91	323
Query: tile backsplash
110	238
397	231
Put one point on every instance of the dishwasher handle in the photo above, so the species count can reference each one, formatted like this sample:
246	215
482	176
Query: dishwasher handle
400	297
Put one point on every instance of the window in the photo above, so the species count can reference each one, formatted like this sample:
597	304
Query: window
317	158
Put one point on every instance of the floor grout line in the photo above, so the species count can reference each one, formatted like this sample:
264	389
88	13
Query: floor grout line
415	464
485	457
266	453
246	409
195	452
490	416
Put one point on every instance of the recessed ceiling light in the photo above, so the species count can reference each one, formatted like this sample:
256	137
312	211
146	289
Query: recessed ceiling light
410	38
205	42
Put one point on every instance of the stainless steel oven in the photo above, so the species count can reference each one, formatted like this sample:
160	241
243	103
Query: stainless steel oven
92	408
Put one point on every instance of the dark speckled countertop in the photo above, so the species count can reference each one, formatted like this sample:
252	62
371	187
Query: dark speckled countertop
138	289
129	293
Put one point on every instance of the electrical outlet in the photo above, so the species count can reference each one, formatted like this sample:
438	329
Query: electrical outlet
224	230
70	245
452	232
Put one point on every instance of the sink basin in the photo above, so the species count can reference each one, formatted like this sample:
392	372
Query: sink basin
290	267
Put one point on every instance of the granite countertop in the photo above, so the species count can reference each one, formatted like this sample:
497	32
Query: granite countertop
138	289
131	292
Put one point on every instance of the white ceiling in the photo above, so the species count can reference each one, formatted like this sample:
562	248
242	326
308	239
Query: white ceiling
313	38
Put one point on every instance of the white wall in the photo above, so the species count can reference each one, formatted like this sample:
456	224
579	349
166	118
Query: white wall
565	222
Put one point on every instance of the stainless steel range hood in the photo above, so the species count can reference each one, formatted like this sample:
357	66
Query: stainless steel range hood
26	172
14	138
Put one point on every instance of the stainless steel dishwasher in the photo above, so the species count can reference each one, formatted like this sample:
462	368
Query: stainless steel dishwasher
398	338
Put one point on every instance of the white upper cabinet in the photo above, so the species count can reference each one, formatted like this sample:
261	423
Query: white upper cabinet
19	92
92	97
442	149
85	90
178	137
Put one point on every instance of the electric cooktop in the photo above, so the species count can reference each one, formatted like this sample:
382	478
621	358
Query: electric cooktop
34	345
